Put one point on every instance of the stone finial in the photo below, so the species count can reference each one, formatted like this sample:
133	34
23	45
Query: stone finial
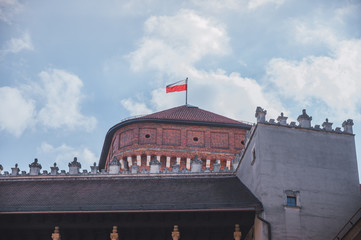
237	233
304	120
54	170
327	125
135	169
260	115
154	165
196	164
114	235
236	160
74	166
114	166
216	167
15	170
347	126
175	168
114	162
175	233
94	168
282	120
35	168
56	234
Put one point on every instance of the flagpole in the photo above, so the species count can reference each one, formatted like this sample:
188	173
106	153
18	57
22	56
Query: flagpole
186	91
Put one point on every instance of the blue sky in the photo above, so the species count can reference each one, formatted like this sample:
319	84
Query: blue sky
69	70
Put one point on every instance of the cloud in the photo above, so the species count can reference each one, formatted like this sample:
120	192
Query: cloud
253	4
8	9
183	38
229	95
59	95
174	53
333	80
135	108
236	5
64	154
62	91
16	112
16	45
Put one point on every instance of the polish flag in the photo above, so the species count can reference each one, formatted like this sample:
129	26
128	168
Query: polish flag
177	87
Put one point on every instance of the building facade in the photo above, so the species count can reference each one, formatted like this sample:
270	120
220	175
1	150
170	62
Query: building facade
186	173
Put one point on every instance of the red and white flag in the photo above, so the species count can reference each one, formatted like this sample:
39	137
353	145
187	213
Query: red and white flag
177	87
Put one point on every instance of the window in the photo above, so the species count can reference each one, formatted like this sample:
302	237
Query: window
253	155
291	201
147	136
195	139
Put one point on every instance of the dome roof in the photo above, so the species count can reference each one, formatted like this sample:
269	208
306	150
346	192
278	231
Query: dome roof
185	114
190	113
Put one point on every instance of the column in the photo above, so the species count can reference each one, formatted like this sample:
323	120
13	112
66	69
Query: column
208	163
228	164
139	160
168	162
130	162
148	160
188	164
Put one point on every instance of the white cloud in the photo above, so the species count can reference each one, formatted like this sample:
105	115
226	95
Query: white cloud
215	90
166	48
229	95
314	34
61	96
62	91
253	4
16	112
176	41
135	108
8	9
64	154
236	5
16	45
332	80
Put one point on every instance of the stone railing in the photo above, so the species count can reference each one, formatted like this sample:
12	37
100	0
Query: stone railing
128	167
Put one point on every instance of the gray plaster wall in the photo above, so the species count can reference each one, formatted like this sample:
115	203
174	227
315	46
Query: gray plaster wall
320	165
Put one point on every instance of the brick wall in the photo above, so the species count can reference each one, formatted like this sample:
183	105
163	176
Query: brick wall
176	141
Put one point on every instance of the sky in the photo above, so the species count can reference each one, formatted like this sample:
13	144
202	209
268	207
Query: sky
70	70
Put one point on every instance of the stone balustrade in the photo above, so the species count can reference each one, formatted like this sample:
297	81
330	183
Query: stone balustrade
133	166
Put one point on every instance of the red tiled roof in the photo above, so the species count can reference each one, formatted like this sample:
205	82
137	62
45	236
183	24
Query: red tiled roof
190	113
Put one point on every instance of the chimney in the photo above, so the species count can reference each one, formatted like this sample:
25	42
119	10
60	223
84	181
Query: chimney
74	167
260	115
135	169
54	170
282	120
304	120
154	165
34	168
327	125
114	166
347	126
94	168
175	168
196	164
15	170
216	166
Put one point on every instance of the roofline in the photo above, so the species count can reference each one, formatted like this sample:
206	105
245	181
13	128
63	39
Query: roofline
239	209
112	130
